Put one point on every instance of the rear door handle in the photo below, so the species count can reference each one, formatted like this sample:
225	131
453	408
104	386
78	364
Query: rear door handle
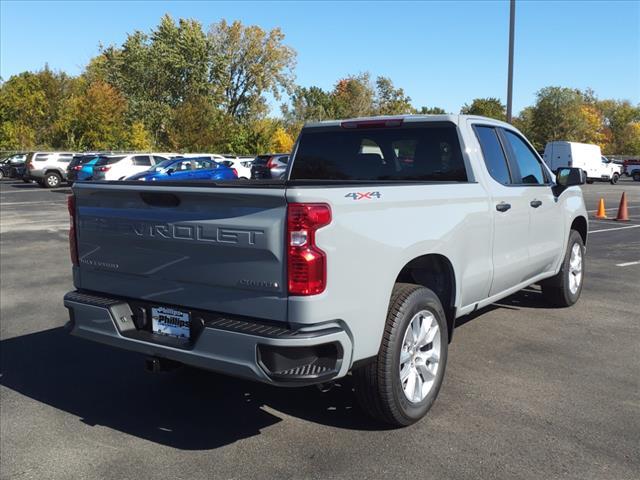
503	207
535	203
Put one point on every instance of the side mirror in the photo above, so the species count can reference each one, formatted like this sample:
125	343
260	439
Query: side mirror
569	177
170	171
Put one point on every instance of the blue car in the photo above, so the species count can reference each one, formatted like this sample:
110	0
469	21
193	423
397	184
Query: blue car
81	167
183	169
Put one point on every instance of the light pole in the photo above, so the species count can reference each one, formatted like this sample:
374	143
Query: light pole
512	18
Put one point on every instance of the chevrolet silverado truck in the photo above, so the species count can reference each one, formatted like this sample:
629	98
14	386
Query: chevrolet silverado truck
383	233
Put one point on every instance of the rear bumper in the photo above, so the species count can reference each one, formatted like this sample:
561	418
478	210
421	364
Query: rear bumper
238	347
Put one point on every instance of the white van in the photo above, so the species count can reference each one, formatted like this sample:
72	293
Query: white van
582	155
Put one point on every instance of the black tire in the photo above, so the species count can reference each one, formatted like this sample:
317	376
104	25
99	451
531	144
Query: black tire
556	290
589	181
26	181
51	180
378	386
614	178
636	177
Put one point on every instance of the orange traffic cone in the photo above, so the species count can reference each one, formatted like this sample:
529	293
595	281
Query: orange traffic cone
601	212
623	213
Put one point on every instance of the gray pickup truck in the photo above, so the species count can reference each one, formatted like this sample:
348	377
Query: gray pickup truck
382	234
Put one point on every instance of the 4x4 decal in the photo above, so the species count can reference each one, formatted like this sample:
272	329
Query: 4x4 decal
363	195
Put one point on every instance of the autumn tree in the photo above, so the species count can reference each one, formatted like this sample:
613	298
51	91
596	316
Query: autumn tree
246	63
95	119
353	96
282	141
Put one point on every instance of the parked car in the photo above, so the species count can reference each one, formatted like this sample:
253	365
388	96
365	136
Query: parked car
272	166
48	169
182	169
357	262
582	155
81	166
632	169
242	165
12	162
119	167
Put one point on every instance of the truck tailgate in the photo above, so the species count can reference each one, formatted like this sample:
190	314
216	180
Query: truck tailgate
212	248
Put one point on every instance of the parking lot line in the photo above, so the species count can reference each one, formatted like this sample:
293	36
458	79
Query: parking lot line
611	229
627	264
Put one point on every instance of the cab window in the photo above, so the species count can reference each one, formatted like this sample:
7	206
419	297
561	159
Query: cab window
531	172
494	157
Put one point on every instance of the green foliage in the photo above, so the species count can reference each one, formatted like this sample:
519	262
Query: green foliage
246	63
487	107
432	111
390	100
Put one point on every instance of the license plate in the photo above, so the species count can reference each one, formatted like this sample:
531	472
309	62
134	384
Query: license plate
167	321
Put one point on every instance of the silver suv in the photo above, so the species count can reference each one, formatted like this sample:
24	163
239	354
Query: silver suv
49	169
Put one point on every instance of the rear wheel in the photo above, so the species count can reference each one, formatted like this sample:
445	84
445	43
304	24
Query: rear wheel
636	176
589	181
564	289
51	180
402	383
615	178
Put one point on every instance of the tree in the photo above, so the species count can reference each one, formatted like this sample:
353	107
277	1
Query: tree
193	126
390	100
308	104
31	103
139	137
487	107
281	141
247	63
353	96
617	116
432	111
157	72
631	143
566	114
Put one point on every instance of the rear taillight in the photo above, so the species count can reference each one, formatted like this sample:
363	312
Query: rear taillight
235	172
306	263
104	169
272	162
73	244
77	168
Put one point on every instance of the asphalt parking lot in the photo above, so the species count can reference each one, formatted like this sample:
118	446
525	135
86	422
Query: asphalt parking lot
530	392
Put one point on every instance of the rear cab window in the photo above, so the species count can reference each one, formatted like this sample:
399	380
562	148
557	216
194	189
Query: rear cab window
412	152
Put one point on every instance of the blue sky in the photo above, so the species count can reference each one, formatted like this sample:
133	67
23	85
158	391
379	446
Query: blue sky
441	53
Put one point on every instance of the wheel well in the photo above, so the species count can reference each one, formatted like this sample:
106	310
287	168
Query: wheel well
434	272
51	170
579	224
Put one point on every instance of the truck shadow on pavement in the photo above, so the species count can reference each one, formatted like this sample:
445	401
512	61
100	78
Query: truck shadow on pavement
186	408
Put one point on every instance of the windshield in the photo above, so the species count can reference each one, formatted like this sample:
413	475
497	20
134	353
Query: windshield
162	165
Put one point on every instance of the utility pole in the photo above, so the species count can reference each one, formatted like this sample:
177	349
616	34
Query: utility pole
512	18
